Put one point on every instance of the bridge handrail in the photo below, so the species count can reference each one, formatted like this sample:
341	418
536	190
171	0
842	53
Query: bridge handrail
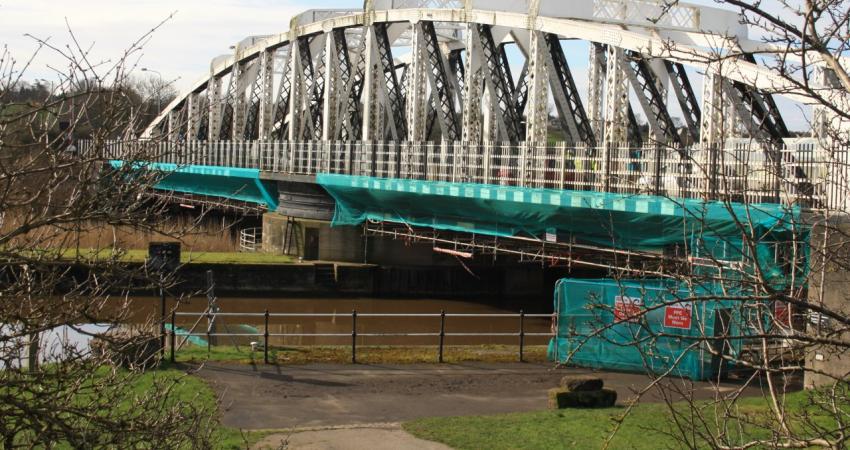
798	173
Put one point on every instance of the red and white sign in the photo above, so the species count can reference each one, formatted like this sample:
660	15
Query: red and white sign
782	313
678	316
627	309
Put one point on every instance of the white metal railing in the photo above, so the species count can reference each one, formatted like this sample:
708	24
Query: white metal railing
250	239
799	173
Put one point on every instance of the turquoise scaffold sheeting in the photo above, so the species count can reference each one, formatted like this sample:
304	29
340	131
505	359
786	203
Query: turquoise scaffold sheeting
637	222
228	182
643	326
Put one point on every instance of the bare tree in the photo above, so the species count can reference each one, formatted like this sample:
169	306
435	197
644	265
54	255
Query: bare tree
765	297
51	192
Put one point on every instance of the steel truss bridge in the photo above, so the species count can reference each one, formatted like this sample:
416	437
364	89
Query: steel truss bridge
429	90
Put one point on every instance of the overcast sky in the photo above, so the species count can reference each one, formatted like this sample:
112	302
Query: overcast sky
185	44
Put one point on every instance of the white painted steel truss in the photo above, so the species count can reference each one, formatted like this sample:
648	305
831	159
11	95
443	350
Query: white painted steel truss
438	70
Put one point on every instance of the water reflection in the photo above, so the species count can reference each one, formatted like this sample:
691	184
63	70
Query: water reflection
340	320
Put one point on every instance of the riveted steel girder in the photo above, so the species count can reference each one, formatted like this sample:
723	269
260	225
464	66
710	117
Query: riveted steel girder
567	100
651	99
616	97
442	92
281	110
457	67
498	80
352	125
537	119
596	82
685	95
337	80
394	99
521	91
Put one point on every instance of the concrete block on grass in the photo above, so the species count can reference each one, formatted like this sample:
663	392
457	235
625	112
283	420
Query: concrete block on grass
560	398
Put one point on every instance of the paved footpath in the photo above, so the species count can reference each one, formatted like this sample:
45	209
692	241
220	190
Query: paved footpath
332	395
387	436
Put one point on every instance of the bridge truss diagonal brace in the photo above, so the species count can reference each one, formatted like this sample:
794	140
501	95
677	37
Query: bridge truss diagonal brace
312	56
497	82
337	83
296	92
652	100
395	102
279	127
571	111
248	76
442	86
351	113
382	93
686	97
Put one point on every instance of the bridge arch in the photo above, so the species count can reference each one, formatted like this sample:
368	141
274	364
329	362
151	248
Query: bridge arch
334	76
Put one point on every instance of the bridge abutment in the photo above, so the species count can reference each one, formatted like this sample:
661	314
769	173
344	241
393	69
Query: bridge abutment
828	290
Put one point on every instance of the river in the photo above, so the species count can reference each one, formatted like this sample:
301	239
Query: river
340	320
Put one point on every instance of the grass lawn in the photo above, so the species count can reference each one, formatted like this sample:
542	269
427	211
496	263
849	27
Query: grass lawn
193	389
341	354
643	428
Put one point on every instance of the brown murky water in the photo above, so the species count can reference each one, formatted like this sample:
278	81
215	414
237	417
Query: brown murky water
340	320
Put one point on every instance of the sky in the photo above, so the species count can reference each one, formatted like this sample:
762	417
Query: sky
181	49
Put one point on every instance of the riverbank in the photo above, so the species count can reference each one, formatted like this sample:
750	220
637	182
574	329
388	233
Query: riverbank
454	354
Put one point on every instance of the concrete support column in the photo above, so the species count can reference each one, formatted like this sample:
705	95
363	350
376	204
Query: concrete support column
266	113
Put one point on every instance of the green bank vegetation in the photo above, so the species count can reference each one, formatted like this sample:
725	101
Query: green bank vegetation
139	256
648	426
341	354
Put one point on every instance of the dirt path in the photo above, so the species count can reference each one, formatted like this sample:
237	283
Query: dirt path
323	395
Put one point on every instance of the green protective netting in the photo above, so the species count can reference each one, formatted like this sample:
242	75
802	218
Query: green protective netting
636	222
228	182
639	326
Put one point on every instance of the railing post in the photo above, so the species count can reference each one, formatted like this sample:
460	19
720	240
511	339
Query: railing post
354	336
442	333
266	338
521	333
173	334
209	340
